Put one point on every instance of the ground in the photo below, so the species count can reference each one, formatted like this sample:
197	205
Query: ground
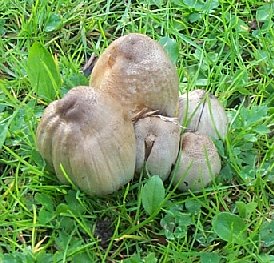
222	46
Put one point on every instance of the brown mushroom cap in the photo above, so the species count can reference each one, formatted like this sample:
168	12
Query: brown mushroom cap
92	137
199	162
136	71
203	113
157	144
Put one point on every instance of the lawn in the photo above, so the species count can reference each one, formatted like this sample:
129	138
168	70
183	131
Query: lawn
222	46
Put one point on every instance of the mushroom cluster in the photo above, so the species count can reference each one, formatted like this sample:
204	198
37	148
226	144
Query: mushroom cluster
130	120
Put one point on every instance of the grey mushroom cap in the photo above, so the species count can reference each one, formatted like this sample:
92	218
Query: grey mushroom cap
202	112
157	144
198	164
90	137
136	71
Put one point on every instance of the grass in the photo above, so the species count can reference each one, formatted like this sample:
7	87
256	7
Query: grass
225	47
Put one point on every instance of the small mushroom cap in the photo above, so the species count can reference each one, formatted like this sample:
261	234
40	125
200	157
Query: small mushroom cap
203	113
157	144
92	137
136	70
199	162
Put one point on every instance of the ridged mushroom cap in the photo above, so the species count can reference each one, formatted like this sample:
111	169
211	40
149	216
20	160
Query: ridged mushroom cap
92	137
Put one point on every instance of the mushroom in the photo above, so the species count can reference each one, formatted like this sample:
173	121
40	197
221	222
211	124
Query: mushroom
203	112
96	137
88	137
198	162
157	144
136	71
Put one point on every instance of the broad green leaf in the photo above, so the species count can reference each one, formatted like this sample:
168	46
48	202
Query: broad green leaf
54	22
73	203
204	6
152	194
201	82
18	257
237	23
150	258
194	17
62	208
45	217
44	257
226	173
45	200
250	116
241	79
133	259
175	223
158	3
210	257
265	12
193	206
62	240
66	241
43	72
261	55
229	227
195	4
171	47
83	257
245	210
266	234
267	258
262	129
2	26
211	5
67	223
4	128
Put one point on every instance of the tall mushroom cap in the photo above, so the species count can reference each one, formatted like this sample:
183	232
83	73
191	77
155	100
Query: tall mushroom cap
136	71
199	162
203	113
91	137
157	144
